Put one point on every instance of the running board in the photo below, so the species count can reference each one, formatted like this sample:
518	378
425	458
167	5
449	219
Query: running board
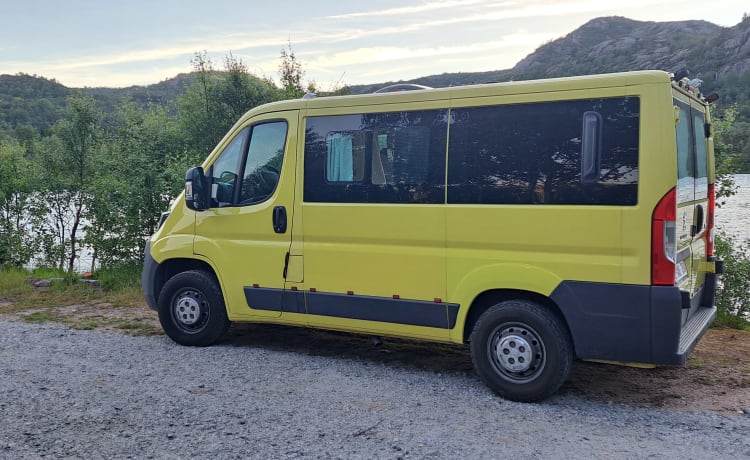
693	330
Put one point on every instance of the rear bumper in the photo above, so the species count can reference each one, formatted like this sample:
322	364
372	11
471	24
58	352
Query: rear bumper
633	323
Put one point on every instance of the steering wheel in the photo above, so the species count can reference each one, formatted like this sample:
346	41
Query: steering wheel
260	184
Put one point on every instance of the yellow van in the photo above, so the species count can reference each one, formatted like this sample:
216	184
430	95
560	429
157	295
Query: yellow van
537	221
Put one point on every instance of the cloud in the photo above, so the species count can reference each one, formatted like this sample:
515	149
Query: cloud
463	11
380	54
429	6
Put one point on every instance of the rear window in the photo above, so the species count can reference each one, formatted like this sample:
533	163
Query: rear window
692	153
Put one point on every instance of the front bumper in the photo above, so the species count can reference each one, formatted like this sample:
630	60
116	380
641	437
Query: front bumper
148	278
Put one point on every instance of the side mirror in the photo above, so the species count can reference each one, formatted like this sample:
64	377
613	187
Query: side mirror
196	189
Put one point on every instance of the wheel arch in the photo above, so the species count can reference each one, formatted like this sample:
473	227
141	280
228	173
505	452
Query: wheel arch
171	267
491	297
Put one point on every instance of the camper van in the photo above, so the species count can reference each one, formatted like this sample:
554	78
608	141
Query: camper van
538	222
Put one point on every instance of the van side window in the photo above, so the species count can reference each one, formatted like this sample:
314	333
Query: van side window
392	157
685	155
263	165
534	153
701	155
259	168
225	171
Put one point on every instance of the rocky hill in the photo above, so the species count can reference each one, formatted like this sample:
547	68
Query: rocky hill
615	44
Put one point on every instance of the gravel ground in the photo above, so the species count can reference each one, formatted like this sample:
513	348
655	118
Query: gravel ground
68	393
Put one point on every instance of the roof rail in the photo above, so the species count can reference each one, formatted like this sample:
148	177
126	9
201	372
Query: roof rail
401	87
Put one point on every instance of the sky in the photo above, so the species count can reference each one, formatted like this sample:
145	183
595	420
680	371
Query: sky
100	43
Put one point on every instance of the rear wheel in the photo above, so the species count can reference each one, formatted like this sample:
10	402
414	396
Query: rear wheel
191	309
521	350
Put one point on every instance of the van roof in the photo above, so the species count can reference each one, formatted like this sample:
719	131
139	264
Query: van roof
468	91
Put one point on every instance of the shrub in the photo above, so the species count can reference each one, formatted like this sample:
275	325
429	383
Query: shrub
733	294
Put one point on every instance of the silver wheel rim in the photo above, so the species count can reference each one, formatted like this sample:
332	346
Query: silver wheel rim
190	310
516	352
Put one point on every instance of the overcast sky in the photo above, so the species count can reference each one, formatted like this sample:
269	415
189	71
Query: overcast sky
114	44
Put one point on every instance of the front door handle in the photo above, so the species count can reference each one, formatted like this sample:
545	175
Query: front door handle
279	219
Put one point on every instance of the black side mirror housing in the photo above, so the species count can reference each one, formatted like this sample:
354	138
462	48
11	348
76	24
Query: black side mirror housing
196	189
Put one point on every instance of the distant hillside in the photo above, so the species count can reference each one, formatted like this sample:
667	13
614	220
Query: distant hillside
30	100
160	93
718	55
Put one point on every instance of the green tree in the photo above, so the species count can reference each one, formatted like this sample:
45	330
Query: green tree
198	110
238	90
733	295
725	153
69	175
291	75
141	171
216	100
18	243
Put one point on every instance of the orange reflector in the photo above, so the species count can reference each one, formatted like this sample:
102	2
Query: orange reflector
438	300
294	288
349	292
255	286
396	296
313	290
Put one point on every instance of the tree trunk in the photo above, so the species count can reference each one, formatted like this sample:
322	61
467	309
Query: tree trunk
74	234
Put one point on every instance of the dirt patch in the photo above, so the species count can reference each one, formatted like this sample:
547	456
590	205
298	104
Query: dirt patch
97	316
716	378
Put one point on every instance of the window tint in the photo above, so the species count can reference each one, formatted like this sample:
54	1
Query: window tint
701	157
532	153
393	157
261	166
264	157
684	152
225	171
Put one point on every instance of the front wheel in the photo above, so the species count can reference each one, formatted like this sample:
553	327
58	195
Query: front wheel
191	309
521	350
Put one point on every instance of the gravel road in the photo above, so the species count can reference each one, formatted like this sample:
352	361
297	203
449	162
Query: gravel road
68	393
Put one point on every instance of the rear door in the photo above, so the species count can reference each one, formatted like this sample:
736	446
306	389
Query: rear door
692	197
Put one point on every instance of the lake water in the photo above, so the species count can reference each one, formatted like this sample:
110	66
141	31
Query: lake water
733	217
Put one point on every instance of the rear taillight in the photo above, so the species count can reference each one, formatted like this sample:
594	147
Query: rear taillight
711	230
664	240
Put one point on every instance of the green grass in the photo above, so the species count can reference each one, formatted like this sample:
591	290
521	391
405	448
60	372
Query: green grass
16	287
39	317
86	324
119	277
724	319
75	304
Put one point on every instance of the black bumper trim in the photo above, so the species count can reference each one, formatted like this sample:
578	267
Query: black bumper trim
368	308
631	323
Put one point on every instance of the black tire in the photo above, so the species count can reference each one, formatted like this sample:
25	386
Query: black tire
191	309
521	350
